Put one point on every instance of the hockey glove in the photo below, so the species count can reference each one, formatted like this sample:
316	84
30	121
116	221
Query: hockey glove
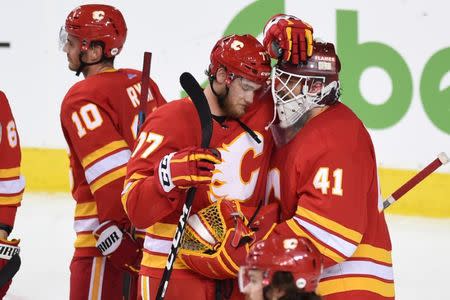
224	262
263	220
216	240
120	248
7	250
187	168
289	38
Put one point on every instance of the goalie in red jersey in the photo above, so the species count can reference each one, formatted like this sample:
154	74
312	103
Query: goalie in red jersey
324	176
99	118
12	185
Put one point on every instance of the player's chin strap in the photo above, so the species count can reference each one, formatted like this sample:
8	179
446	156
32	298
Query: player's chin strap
85	64
222	98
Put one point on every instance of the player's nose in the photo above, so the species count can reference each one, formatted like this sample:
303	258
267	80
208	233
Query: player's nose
249	98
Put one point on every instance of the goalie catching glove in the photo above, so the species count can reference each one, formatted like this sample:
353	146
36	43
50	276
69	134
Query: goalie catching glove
189	167
289	38
120	248
216	240
7	250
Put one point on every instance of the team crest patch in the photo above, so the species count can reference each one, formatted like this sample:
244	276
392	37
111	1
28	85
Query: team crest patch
237	45
98	15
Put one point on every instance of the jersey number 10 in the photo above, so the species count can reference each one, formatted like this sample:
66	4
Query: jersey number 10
90	118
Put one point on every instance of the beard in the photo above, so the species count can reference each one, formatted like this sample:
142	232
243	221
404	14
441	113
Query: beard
231	110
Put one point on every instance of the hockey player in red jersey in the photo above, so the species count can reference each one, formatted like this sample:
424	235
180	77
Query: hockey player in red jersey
167	160
12	184
99	117
324	174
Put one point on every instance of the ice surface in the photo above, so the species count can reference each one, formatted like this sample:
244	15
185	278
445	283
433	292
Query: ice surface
421	249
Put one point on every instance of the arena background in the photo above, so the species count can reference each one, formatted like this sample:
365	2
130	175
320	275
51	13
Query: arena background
395	57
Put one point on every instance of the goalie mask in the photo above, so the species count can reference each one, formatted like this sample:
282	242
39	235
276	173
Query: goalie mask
296	255
297	89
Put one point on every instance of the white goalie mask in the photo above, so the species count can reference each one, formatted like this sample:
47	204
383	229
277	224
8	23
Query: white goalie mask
297	89
295	95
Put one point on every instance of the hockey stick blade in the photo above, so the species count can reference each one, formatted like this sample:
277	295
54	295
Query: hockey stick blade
10	269
195	92
442	159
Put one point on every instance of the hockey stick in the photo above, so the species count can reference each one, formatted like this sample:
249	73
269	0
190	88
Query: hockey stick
195	92
144	89
145	79
10	269
442	159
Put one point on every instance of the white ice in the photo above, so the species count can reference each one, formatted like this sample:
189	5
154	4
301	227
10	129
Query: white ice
421	250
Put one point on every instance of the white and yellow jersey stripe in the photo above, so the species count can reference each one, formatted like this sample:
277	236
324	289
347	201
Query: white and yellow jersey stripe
106	164
12	185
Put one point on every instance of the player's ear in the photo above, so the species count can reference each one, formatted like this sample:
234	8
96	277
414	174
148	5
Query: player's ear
95	52
221	75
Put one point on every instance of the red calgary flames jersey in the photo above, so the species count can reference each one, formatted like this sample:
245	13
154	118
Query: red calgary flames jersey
329	194
12	183
99	116
241	175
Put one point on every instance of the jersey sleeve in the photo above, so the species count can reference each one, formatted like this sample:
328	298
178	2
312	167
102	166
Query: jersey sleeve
332	189
12	183
103	153
165	131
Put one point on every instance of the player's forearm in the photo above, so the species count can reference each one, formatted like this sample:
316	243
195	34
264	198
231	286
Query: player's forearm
329	254
109	205
144	203
7	216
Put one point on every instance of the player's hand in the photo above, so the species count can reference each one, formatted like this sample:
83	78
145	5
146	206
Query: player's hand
217	240
289	38
189	167
7	250
120	248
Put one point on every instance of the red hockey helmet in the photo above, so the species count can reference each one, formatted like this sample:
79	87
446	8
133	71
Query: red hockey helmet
97	22
241	56
295	255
